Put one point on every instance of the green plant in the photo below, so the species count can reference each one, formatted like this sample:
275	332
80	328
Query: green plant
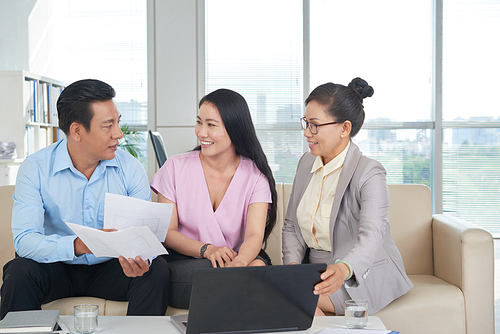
130	141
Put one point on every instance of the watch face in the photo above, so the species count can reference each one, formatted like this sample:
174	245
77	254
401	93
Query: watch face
203	249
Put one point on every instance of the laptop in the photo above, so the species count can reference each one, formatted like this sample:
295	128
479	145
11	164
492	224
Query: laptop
251	299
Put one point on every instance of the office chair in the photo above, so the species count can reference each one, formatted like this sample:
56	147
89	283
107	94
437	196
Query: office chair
159	147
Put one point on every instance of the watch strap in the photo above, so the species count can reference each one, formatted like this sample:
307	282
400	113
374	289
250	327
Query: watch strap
203	249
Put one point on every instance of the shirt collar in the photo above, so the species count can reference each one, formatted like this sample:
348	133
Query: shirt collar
63	160
336	162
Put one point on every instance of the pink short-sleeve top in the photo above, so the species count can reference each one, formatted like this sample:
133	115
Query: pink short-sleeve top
181	180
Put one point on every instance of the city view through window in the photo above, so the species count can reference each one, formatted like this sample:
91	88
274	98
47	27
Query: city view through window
107	40
262	58
260	54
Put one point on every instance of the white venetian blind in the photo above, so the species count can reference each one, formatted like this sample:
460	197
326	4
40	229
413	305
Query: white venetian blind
106	40
471	146
255	48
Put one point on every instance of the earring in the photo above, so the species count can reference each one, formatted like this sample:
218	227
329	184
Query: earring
341	136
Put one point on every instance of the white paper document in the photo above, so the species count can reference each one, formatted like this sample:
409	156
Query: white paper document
121	212
355	331
129	243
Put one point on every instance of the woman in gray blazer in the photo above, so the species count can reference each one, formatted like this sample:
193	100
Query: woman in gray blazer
338	207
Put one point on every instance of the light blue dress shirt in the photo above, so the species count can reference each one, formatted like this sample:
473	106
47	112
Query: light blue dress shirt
50	191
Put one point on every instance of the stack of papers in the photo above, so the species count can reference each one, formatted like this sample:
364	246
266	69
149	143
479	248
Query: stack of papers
141	225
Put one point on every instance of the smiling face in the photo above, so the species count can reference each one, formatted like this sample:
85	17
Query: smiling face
328	142
211	132
101	141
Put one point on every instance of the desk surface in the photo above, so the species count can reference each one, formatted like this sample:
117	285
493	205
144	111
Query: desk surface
132	324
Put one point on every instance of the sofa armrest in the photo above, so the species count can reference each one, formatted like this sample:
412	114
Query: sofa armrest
464	256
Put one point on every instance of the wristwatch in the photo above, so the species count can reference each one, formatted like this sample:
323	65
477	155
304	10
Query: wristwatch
203	249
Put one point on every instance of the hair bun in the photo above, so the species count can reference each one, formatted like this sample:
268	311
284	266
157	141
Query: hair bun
361	87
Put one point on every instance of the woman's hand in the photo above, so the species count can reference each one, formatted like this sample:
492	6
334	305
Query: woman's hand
238	261
333	277
220	255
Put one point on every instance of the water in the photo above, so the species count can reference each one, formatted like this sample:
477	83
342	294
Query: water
356	316
86	323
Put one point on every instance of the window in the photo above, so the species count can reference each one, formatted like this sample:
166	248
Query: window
392	52
257	48
471	116
107	40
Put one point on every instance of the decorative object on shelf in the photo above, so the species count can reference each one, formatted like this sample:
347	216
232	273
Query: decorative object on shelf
8	150
130	141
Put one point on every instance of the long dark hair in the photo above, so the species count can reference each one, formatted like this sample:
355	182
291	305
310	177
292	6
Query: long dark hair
344	103
235	114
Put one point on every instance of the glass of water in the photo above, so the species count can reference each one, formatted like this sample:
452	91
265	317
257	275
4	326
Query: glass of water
86	318
356	313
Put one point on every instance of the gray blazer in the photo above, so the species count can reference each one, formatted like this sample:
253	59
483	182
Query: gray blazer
360	232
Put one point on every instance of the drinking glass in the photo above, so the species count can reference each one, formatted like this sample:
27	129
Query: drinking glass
356	313
86	318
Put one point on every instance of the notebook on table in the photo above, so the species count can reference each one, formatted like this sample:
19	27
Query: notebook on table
35	321
251	299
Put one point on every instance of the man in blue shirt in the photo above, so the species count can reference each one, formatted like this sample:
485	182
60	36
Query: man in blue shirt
66	182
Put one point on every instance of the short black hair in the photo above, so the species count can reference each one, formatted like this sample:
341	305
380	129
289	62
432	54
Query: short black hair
74	103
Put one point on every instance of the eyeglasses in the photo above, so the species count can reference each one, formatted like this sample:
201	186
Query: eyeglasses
312	127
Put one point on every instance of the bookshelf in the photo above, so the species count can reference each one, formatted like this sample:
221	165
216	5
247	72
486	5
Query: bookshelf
28	110
28	114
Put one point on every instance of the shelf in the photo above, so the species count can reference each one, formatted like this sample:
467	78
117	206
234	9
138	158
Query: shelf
28	110
44	125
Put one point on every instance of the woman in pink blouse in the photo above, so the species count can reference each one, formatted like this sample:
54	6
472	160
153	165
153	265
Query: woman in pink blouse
223	193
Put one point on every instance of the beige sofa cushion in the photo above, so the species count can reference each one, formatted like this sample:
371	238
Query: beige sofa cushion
65	305
432	303
7	251
410	216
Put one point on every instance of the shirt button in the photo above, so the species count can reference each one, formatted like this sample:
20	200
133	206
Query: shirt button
87	207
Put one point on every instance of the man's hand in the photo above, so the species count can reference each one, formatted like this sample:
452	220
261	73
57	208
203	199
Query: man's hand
134	267
81	248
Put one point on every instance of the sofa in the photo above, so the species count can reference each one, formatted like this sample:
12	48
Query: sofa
450	262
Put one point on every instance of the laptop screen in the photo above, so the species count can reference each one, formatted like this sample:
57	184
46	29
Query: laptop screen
253	299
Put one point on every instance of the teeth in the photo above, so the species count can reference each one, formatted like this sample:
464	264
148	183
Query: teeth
206	142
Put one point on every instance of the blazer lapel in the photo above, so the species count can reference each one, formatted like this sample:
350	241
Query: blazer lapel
303	178
350	164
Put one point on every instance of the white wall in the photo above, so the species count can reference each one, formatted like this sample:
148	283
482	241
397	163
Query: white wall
14	34
28	35
176	72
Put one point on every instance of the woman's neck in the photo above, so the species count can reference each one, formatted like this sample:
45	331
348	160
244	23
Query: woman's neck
339	149
221	163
